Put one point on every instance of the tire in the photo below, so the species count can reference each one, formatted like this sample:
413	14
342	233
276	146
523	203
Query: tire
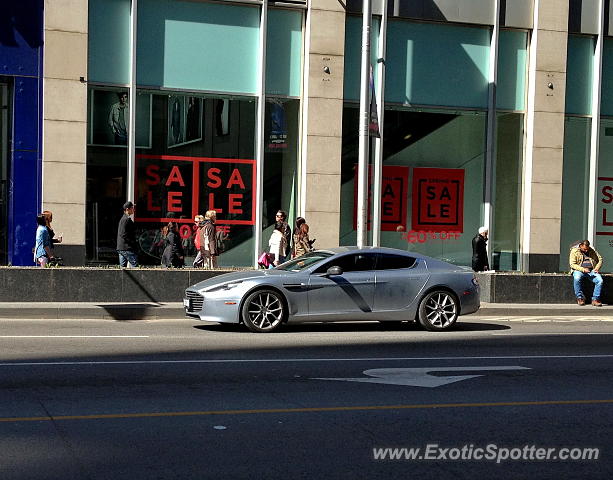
263	311
438	311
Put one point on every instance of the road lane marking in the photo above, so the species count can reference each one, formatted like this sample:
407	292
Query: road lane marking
74	336
419	377
545	333
294	360
346	408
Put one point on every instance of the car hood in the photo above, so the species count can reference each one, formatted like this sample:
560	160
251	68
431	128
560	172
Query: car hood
236	277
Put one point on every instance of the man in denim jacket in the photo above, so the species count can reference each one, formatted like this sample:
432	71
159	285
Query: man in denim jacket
585	263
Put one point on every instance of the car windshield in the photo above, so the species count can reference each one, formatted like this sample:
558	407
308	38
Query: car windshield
305	261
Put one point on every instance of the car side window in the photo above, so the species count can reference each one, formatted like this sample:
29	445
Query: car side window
357	262
389	261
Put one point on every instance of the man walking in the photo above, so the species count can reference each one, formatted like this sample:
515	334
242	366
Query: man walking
126	237
585	263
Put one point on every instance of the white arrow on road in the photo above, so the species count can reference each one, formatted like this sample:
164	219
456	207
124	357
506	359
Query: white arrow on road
419	377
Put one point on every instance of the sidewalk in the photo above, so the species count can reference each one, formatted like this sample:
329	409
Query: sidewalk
174	310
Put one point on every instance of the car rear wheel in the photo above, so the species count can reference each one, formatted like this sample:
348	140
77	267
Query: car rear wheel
438	311
263	311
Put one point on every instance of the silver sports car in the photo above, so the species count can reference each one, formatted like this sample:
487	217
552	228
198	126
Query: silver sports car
344	283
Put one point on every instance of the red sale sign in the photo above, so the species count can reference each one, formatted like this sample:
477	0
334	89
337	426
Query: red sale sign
394	186
176	188
438	199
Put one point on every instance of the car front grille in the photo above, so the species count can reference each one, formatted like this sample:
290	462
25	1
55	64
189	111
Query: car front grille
196	301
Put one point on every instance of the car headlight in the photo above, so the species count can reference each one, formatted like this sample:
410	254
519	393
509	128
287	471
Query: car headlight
225	286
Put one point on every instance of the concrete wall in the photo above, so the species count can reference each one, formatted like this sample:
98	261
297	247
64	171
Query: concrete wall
65	123
323	114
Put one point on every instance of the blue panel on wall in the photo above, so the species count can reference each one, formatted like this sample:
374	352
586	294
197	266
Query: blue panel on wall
198	46
109	41
439	65
353	55
579	74
21	37
606	100
25	206
512	64
284	53
25	133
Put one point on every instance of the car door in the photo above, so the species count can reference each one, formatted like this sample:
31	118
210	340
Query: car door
348	296
399	280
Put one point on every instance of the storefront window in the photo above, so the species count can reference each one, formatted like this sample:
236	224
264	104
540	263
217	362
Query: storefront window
575	184
280	188
603	218
193	153
507	191
433	171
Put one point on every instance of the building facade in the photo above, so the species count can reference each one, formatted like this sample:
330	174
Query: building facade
489	112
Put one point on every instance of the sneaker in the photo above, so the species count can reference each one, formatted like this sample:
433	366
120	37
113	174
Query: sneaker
580	301
596	303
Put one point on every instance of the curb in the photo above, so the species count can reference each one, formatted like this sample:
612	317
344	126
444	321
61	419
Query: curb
175	311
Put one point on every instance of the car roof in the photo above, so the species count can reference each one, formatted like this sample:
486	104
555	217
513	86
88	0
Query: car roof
352	248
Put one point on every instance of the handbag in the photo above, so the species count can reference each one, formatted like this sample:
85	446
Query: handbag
264	260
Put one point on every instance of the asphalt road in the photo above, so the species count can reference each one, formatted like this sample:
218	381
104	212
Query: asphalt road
182	399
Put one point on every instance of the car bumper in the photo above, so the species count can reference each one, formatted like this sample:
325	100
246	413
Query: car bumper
207	309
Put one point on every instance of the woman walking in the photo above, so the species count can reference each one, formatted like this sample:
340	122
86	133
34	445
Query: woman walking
173	252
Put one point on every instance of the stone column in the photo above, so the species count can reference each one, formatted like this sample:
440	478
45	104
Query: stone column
323	118
545	137
65	123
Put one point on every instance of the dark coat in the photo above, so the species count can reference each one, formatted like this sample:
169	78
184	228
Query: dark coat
480	262
208	233
126	235
173	252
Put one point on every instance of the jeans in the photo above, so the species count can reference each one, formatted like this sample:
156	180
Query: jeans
593	277
126	256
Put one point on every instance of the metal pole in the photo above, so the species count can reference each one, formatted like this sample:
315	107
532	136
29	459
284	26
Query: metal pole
259	152
378	167
132	103
490	149
362	206
595	132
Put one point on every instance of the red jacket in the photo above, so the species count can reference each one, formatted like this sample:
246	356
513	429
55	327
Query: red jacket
197	238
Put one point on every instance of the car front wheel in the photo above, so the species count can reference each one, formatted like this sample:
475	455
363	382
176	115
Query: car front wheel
263	311
438	311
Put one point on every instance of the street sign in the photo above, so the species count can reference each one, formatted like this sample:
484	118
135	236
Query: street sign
420	377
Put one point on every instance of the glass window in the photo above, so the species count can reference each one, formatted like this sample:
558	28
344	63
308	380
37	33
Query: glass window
353	54
356	262
198	46
109	41
512	64
603	228
579	75
194	153
284	52
434	64
575	184
107	154
304	261
606	100
433	169
508	191
280	184
389	261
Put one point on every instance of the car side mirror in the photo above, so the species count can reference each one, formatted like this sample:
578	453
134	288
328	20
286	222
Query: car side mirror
334	270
